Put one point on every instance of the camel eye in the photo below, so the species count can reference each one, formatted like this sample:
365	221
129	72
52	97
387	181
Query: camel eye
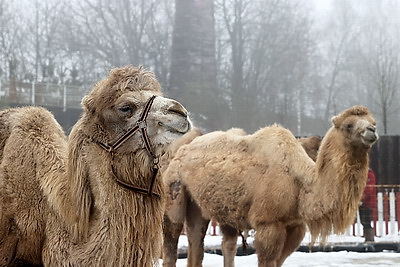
349	126
126	110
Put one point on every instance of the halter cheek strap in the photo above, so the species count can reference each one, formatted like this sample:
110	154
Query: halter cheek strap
141	126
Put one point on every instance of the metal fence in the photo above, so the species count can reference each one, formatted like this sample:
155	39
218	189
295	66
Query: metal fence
43	94
385	214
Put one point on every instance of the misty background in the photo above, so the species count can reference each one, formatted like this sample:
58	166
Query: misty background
232	63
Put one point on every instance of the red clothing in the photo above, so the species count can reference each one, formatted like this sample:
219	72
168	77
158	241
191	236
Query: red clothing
369	197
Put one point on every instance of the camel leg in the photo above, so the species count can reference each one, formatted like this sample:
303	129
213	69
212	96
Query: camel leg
8	249
294	236
229	249
196	227
172	232
269	242
8	242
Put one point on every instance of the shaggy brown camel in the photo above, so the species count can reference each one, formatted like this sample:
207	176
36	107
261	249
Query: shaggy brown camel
172	230
266	181
94	199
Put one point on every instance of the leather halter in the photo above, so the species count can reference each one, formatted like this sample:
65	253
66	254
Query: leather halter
141	126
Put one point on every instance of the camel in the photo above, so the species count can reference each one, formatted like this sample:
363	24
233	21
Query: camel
93	199
172	231
265	181
171	150
311	145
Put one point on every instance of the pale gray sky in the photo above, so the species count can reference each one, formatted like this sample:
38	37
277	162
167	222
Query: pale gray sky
322	4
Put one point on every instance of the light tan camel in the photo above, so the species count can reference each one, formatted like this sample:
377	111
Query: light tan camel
90	200
266	181
172	231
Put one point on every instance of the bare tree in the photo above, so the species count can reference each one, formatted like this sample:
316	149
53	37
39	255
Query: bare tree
10	40
159	32
44	39
336	41
234	15
11	46
264	65
268	45
114	31
384	76
77	41
381	57
6	38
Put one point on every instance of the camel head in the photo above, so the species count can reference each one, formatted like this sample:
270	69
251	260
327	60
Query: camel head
117	103
124	113
357	125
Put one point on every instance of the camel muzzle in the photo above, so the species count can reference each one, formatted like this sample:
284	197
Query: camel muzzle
370	136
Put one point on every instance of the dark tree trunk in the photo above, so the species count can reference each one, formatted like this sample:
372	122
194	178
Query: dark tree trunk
13	80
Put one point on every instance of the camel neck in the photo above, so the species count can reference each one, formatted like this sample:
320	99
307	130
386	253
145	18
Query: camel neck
340	178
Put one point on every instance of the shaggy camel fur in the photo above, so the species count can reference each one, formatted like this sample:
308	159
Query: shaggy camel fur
266	181
172	230
71	202
171	150
311	145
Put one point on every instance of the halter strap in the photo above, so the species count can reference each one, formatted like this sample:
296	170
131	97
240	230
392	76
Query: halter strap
140	124
112	149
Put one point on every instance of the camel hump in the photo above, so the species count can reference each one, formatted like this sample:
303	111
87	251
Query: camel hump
29	118
29	121
237	131
311	145
6	124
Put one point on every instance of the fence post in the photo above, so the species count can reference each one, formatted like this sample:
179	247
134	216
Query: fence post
397	196
214	227
386	211
392	213
379	223
374	213
33	93
358	225
65	98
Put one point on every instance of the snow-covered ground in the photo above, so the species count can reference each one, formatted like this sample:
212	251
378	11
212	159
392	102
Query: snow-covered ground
299	259
316	259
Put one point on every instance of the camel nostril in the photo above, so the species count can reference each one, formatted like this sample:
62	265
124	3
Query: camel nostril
371	128
178	109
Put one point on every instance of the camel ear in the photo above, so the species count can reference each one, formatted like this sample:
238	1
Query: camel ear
81	197
88	104
335	121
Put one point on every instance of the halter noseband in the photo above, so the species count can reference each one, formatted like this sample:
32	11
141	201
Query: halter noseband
112	149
